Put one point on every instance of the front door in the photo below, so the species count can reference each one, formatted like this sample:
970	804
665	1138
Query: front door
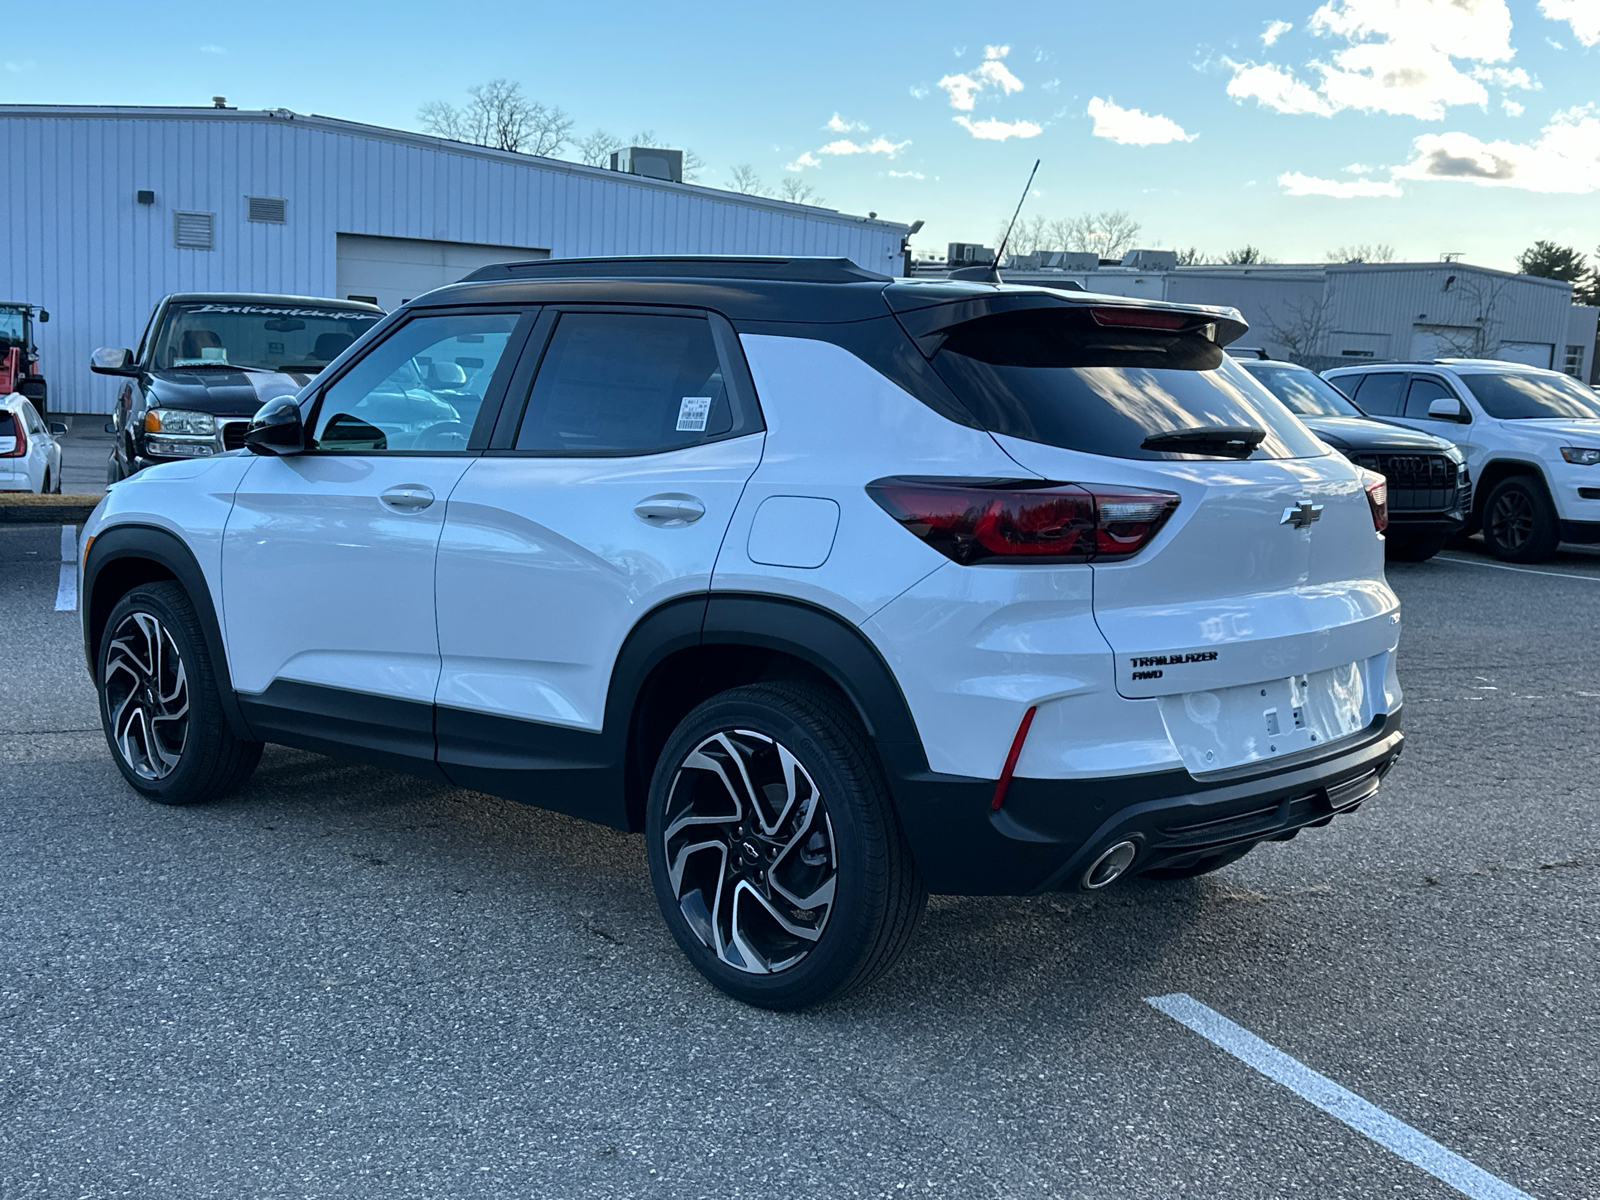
608	499
328	559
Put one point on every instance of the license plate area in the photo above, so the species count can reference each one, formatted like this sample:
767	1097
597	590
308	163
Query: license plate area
1229	727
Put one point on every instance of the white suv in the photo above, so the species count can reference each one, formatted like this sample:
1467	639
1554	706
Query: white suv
1531	439
842	589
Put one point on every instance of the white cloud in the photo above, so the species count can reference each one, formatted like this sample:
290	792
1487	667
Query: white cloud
839	125
918	91
1297	184
1274	31
1565	158
906	175
1582	15
807	159
213	48
1399	57
1133	127
1051	85
964	89
1513	109
1515	77
878	145
992	130
1359	169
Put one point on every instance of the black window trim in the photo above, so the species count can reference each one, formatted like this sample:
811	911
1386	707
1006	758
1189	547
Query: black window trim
730	357
493	397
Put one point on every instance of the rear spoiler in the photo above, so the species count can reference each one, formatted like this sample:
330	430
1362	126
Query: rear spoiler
929	325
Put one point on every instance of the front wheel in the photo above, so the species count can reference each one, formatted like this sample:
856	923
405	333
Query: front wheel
776	856
1519	522
159	701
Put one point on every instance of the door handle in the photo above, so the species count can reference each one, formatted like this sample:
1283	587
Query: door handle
408	497
670	510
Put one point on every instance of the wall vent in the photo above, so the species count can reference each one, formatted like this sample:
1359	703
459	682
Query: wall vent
191	230
267	210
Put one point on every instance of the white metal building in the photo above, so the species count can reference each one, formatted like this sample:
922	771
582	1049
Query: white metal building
105	210
1326	315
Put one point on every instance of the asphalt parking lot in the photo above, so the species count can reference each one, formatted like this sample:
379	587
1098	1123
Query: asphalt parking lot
349	982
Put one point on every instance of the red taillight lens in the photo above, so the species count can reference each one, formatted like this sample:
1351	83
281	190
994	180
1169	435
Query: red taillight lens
19	448
982	520
1141	318
1378	499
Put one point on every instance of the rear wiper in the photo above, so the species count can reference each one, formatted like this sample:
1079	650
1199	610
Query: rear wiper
1222	441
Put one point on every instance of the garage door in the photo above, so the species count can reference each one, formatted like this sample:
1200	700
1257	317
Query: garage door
1534	354
390	271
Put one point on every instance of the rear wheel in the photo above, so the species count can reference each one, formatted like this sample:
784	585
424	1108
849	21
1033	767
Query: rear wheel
44	484
159	701
1519	522
1204	866
776	856
1403	547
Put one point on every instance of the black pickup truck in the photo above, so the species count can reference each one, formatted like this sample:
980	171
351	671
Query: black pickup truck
208	361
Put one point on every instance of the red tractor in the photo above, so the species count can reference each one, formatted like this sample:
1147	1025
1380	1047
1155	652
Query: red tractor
19	357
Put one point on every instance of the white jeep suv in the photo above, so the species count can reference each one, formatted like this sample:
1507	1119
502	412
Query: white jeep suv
1531	440
842	589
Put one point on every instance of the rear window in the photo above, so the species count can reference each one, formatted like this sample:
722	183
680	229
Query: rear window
1055	376
1510	397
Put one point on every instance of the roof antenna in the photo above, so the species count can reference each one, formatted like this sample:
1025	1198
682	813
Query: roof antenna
991	273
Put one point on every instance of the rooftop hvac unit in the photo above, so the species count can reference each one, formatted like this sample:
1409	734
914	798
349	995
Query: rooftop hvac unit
1151	260
1055	260
969	254
650	162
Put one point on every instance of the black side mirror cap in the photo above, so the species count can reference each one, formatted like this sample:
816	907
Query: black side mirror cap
44	316
276	428
57	428
112	360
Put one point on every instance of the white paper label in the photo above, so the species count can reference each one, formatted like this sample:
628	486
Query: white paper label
692	414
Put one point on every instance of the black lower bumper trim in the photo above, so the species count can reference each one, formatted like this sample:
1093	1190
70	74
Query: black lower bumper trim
1050	831
1580	533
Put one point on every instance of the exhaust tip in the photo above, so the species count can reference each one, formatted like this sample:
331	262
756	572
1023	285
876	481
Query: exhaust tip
1110	865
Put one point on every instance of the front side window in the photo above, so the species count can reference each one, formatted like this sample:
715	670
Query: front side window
418	389
625	383
1508	396
1381	394
259	337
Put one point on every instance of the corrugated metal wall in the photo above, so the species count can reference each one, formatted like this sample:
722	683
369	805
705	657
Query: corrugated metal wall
78	243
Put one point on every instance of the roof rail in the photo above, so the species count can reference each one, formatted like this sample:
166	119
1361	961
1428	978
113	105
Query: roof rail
664	266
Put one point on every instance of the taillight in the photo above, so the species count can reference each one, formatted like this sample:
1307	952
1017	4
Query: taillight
1378	501
19	448
984	520
1141	318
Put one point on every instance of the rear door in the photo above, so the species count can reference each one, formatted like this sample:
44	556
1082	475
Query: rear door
620	455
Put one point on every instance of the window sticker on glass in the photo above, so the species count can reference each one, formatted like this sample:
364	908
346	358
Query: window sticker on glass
692	414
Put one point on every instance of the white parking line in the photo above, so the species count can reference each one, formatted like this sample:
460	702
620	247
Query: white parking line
1394	1135
67	586
1471	562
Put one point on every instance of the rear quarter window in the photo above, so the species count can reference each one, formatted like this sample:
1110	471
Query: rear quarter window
1054	376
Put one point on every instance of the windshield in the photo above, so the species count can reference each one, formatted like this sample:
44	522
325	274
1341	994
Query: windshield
263	336
1052	376
10	325
1512	397
1305	393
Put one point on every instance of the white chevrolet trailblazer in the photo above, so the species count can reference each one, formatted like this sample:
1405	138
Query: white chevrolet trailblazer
842	589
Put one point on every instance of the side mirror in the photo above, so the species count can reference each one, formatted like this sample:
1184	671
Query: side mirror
1447	408
276	428
44	317
111	426
57	428
110	360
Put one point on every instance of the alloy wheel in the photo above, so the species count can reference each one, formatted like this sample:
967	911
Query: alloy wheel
147	696
750	851
1512	519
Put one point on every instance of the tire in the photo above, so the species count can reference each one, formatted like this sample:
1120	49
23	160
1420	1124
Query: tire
1205	866
160	706
822	847
1402	547
44	484
1519	522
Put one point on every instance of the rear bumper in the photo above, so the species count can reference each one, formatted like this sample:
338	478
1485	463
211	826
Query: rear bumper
1051	830
1442	524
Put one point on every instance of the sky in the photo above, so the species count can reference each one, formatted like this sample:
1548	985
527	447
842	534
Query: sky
1432	126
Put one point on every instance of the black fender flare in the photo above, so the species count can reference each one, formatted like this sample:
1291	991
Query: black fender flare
168	551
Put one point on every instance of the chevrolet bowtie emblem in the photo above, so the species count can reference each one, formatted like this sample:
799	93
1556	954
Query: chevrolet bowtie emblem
1302	514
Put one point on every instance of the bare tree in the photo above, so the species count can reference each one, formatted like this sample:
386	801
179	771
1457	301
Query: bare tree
499	115
1192	256
595	150
1030	235
1246	256
798	191
1301	327
746	181
1480	302
1378	252
1109	234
